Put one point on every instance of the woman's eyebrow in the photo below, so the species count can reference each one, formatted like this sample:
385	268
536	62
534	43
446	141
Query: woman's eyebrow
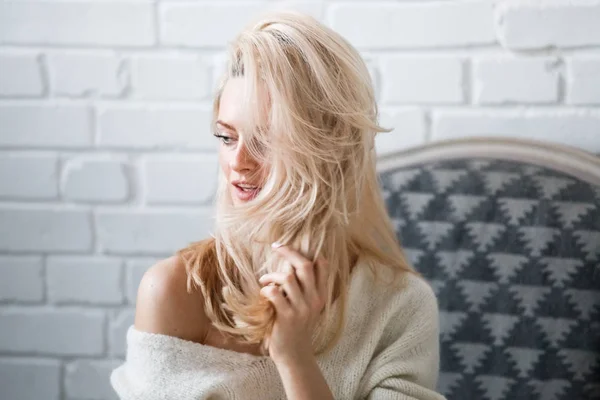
226	125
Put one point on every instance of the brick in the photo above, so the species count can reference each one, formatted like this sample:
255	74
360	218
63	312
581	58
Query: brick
28	176
313	8
388	25
571	127
96	180
80	23
204	25
172	77
83	75
84	280
90	379
149	232
558	23
409	130
135	270
583	80
45	230
21	279
218	68
422	80
163	177
374	69
65	332
30	379
156	127
21	75
117	332
508	79
45	125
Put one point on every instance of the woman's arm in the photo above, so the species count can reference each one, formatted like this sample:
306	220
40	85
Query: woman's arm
298	297
406	369
302	379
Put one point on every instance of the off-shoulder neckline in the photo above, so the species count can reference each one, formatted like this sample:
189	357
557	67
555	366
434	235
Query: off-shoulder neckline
194	346
219	352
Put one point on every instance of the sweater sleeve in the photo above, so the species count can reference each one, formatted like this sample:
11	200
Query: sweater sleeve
408	365
160	367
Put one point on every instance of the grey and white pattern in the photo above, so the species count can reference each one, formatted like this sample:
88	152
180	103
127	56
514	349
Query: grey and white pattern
513	253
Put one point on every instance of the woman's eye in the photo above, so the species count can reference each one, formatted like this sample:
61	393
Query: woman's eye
224	139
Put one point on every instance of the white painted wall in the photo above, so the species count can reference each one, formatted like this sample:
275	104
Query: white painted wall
106	161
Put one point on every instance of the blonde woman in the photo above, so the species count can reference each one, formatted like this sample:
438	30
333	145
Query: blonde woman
303	291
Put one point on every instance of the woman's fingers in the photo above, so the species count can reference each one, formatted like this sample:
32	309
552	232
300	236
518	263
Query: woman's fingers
275	295
293	256
307	274
303	268
288	282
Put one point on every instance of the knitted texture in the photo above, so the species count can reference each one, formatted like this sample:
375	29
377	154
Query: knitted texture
389	349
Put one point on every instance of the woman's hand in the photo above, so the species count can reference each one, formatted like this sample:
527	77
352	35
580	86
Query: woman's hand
298	295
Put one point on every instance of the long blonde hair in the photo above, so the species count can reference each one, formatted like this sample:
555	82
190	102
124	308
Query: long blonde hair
321	195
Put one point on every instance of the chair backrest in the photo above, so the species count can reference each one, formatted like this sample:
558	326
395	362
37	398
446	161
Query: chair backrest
508	235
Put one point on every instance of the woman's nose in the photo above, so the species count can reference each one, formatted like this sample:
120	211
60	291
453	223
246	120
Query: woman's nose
241	159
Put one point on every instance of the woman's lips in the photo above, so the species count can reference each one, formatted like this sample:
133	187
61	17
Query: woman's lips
245	195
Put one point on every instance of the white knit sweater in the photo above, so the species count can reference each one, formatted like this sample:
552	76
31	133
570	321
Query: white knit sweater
389	349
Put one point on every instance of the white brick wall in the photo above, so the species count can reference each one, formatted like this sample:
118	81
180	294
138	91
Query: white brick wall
107	164
76	74
21	279
44	124
498	80
84	280
583	80
58	331
86	379
17	375
74	23
181	77
147	126
28	176
175	179
404	79
95	180
27	67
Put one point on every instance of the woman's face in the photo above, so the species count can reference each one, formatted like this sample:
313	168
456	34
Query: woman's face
243	173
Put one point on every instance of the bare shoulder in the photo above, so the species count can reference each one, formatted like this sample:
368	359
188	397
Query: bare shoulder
164	306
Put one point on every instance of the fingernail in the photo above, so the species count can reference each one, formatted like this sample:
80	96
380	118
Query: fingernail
276	245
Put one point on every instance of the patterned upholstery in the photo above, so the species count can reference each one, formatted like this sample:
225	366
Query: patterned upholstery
513	253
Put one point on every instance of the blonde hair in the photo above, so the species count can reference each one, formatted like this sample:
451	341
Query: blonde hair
321	195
